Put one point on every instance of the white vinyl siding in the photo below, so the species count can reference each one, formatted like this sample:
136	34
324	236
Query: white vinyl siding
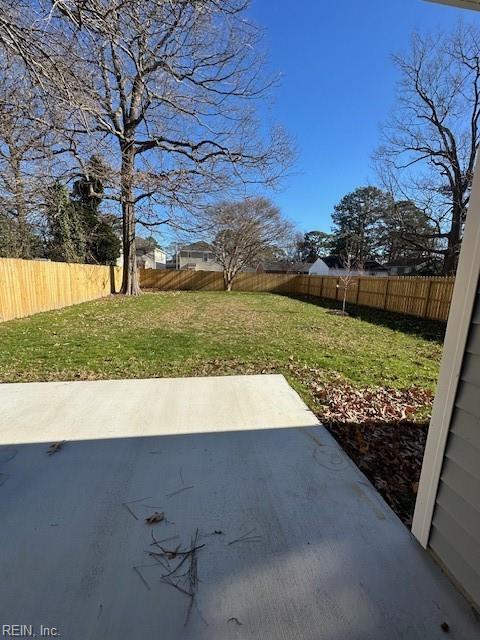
455	533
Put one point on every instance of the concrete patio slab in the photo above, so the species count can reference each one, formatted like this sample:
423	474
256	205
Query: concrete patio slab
297	542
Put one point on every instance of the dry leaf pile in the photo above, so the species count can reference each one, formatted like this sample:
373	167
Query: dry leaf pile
383	430
342	403
390	455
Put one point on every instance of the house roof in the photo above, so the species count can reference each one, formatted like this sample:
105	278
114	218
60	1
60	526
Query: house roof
197	246
337	262
333	262
407	262
289	267
374	265
145	245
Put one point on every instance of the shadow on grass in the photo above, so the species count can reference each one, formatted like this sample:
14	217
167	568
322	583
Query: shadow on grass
426	329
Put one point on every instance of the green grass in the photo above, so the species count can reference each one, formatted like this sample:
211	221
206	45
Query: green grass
195	333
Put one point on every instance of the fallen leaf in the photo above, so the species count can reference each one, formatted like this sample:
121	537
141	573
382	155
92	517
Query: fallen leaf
54	447
157	516
171	555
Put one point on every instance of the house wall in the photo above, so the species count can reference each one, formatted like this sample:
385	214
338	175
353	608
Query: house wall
455	532
401	271
319	268
354	272
198	260
155	259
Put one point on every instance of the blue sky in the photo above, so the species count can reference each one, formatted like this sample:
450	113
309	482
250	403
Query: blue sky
338	86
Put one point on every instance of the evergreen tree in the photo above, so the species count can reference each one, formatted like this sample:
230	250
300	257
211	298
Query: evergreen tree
314	244
406	233
66	242
102	244
358	221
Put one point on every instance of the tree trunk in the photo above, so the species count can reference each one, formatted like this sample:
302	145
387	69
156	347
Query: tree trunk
130	280
227	280
454	242
23	248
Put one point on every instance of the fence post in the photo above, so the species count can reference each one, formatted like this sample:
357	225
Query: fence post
321	287
358	289
337	286
427	299
385	297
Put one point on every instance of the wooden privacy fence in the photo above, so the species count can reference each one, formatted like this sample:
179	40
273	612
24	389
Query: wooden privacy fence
424	297
30	286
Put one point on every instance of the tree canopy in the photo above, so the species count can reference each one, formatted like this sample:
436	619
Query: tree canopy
370	224
244	232
313	245
357	220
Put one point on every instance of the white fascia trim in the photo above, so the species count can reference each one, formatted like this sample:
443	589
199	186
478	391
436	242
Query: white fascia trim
461	4
463	300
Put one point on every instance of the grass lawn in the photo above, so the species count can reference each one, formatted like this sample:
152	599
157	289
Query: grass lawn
369	377
191	333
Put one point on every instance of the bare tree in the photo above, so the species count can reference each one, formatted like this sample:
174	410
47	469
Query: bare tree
20	33
168	91
27	35
29	153
352	267
430	143
243	231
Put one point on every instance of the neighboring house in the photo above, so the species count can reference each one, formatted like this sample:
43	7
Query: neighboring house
198	256
334	266
148	255
447	511
319	268
284	267
425	266
155	259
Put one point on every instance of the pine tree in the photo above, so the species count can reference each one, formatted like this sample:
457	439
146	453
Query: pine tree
357	219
